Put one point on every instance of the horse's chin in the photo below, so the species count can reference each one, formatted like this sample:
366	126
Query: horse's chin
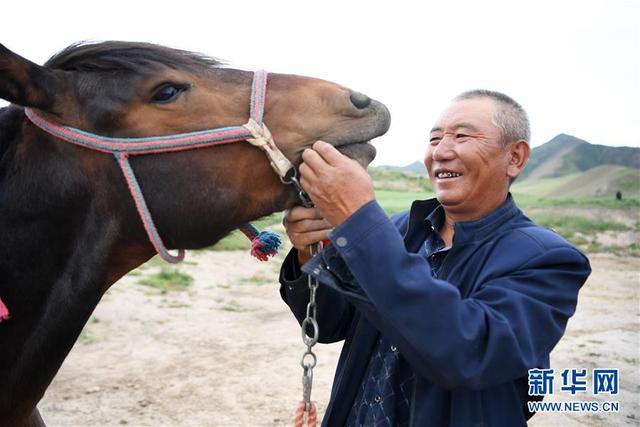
362	152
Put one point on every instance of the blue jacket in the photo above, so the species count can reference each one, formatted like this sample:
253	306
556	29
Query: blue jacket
505	292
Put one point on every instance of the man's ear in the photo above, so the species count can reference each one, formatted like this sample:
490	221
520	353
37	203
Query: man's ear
519	153
24	83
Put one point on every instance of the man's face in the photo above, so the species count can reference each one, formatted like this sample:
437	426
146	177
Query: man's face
466	161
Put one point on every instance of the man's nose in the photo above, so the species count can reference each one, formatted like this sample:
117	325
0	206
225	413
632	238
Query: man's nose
444	149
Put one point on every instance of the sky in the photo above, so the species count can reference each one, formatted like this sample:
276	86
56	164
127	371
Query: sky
573	65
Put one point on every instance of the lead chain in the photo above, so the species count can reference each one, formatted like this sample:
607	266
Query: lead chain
309	359
306	412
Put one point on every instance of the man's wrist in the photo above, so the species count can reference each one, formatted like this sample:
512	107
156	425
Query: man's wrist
336	220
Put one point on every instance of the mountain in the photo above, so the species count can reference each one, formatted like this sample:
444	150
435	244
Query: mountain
603	180
415	167
567	166
565	155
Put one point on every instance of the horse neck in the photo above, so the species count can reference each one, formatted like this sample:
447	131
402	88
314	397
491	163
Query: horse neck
57	241
62	247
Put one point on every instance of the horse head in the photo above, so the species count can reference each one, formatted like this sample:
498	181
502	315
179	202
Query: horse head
121	89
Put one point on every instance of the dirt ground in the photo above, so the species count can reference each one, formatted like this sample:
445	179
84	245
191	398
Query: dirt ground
226	351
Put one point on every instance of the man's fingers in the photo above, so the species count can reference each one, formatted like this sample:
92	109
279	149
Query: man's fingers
302	240
299	213
307	225
328	153
314	161
306	171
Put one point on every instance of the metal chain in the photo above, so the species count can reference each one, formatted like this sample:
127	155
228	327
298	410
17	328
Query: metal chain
309	359
292	179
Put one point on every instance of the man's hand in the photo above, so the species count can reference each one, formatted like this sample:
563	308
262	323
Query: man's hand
305	226
338	185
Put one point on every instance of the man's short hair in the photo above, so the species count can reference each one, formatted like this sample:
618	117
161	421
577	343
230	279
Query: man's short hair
510	117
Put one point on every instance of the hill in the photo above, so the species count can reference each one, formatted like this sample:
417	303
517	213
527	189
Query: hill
567	166
415	167
603	180
565	155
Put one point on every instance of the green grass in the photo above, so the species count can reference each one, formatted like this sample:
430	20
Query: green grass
258	279
236	241
167	279
540	187
569	225
233	306
86	337
526	201
385	179
631	250
583	231
394	202
268	221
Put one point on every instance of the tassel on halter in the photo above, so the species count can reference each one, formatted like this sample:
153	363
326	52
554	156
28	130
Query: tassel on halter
4	311
263	243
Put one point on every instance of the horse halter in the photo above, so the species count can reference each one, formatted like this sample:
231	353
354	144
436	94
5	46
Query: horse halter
254	131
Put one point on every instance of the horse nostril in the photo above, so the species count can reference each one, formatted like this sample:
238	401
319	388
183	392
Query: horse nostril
360	100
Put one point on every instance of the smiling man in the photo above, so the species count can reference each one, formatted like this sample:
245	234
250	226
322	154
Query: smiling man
443	308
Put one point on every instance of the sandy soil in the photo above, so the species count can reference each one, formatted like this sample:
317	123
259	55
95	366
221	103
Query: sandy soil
226	352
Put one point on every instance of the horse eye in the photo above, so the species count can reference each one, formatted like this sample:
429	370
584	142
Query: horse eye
168	93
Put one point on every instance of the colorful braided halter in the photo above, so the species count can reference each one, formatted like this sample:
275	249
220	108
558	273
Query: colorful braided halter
264	244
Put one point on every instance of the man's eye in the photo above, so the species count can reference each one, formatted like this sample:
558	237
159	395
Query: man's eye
168	93
461	135
435	139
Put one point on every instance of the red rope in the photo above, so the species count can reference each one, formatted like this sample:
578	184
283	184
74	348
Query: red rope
4	311
311	415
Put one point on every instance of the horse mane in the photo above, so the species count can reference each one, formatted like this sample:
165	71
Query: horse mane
101	62
133	57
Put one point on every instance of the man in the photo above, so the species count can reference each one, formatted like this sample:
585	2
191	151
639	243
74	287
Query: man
445	308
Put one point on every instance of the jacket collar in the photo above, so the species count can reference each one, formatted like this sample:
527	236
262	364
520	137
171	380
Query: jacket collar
465	232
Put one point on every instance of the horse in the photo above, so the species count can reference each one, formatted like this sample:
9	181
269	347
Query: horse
69	228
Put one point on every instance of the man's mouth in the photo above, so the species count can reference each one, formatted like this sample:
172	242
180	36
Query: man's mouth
447	174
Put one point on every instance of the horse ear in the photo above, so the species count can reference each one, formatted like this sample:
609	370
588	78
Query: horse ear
24	83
